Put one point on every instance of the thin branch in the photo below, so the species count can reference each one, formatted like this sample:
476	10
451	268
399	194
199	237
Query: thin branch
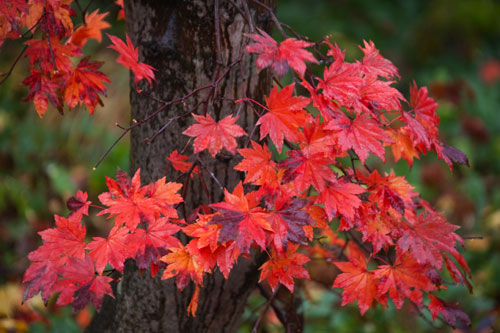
421	314
249	16
279	312
110	148
30	29
359	243
210	173
266	308
472	237
88	6
149	140
244	15
182	99
275	79
217	32
204	185
6	75
273	17
50	43
82	12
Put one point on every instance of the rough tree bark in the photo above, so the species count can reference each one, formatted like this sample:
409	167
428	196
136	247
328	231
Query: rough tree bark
179	38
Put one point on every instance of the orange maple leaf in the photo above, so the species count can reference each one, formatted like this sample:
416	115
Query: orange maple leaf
184	266
84	84
257	163
94	23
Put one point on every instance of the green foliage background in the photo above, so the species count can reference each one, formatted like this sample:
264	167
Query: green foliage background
443	44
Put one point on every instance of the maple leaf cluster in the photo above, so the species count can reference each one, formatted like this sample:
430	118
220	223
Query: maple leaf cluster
306	182
59	74
144	224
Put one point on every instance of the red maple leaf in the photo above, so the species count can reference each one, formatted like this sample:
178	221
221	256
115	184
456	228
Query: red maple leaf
241	219
340	197
151	243
41	277
180	162
129	57
79	204
127	200
60	244
374	64
364	135
67	239
449	312
423	106
224	255
57	16
51	57
293	52
286	114
311	164
287	220
214	135
390	192
342	81
290	52
427	237
358	283
376	94
404	279
375	226
131	204
11	12
306	170
284	267
419	136
84	84
81	286
43	89
112	250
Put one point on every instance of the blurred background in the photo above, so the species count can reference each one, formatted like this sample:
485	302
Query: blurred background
451	46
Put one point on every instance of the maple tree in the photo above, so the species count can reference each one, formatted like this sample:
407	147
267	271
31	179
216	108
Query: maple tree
305	179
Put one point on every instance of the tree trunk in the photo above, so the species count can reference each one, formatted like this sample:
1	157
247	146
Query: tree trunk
179	38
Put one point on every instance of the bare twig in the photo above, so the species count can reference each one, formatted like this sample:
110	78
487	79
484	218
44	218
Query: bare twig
80	9
50	43
472	237
421	314
273	17
249	16
210	173
217	32
264	311
245	15
110	148
279	312
6	75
